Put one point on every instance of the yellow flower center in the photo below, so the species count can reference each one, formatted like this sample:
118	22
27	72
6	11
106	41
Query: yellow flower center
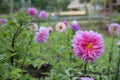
33	28
89	46
115	29
60	27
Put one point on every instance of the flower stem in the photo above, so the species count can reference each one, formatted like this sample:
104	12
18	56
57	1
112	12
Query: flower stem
111	49
16	34
26	51
117	68
41	48
85	68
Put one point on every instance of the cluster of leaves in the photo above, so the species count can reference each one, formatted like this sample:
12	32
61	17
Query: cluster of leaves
22	58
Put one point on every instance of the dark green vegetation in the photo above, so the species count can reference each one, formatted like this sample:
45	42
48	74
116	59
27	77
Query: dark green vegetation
23	59
16	5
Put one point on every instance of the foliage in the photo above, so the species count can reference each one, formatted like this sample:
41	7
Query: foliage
22	58
118	19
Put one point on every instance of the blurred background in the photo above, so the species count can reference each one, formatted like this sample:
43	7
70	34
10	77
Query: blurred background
57	5
67	9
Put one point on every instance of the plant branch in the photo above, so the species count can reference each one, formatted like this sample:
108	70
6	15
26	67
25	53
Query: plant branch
26	51
16	34
111	49
14	37
85	68
117	67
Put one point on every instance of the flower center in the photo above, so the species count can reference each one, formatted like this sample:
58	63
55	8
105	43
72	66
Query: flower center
33	28
89	46
114	28
60	27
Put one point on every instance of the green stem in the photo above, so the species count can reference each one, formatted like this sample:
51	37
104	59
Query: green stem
117	68
26	51
85	68
41	48
111	49
16	34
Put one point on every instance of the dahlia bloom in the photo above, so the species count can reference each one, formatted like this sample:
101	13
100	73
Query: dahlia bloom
42	35
75	27
43	14
60	27
65	22
3	21
114	28
88	45
86	78
32	11
50	28
74	22
33	27
118	43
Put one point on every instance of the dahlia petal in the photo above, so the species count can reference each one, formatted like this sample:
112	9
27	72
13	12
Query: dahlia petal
32	11
90	52
43	14
60	27
42	35
112	26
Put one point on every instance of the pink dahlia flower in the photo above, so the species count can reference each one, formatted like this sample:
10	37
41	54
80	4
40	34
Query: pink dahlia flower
65	22
3	21
43	14
42	35
88	45
114	28
60	27
50	28
86	78
33	27
75	27
32	11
